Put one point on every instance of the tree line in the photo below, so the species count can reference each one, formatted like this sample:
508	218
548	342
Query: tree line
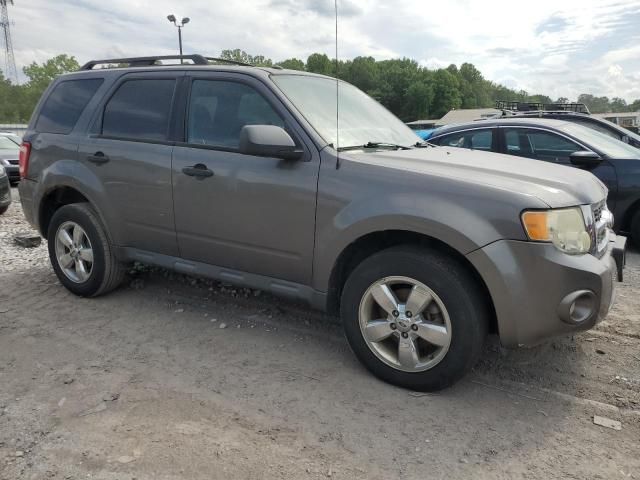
408	89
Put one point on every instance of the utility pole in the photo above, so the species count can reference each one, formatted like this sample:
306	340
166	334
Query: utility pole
10	70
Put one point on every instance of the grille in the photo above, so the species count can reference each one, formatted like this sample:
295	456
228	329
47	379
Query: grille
13	162
597	211
600	228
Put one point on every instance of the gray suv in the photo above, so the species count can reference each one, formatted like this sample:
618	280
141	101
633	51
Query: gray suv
238	173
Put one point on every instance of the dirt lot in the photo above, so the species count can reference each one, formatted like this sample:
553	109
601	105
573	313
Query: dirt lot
172	377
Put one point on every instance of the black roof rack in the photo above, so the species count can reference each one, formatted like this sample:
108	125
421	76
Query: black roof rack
152	61
519	107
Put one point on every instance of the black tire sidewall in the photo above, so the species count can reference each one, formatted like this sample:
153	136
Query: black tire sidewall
96	278
635	229
459	293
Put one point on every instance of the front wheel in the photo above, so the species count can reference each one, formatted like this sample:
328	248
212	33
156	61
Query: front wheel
80	252
415	318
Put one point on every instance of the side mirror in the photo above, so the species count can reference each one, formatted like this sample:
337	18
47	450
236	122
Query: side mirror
585	158
268	141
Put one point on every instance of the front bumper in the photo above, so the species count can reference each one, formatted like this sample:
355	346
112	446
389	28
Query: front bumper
533	286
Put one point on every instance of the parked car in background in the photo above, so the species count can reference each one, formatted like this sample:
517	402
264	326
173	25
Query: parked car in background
615	163
5	191
232	172
9	153
601	125
17	139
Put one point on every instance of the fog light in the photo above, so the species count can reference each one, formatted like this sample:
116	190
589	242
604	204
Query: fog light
578	307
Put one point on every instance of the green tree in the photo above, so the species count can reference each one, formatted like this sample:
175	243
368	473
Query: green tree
40	76
292	64
320	63
446	93
363	73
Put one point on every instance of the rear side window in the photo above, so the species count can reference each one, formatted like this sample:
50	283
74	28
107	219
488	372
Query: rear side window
139	110
65	104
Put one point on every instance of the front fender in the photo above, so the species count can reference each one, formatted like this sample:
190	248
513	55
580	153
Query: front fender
464	229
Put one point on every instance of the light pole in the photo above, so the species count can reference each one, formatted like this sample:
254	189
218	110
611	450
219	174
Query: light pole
185	20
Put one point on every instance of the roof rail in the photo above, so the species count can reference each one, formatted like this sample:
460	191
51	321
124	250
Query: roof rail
224	60
151	61
512	106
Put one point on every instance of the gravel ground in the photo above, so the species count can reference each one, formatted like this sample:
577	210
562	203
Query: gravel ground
172	377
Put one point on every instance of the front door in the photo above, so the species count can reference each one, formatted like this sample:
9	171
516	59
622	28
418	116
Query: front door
247	213
555	148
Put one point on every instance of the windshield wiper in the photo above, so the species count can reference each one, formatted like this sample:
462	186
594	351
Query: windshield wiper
375	145
424	144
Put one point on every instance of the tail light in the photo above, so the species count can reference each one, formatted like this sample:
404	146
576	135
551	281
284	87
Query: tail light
25	151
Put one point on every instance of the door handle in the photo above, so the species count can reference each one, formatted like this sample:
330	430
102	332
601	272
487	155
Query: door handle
198	170
98	158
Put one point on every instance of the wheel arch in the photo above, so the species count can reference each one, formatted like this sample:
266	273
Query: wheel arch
59	196
627	218
373	242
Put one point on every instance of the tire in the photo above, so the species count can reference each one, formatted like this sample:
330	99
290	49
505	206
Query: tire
635	229
457	310
101	275
4	209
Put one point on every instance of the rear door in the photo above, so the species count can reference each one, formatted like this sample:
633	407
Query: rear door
130	154
251	214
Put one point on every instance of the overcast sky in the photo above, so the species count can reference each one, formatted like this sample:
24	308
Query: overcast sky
556	47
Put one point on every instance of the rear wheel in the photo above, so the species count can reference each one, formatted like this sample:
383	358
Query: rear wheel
80	252
415	318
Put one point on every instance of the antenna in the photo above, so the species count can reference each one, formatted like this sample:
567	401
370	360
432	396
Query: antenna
337	94
10	69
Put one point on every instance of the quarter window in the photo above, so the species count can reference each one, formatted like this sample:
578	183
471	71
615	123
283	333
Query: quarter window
474	139
65	104
139	110
218	110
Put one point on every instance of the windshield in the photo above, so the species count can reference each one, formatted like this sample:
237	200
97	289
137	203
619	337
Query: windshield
609	146
7	144
362	120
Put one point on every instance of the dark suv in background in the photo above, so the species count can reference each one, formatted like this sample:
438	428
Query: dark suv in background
237	173
615	163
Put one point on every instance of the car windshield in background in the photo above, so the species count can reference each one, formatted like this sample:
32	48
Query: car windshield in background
7	144
362	120
609	146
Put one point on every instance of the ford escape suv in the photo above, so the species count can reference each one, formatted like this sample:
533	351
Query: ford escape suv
240	173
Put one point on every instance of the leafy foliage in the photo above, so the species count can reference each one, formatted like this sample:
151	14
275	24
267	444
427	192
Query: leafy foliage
408	89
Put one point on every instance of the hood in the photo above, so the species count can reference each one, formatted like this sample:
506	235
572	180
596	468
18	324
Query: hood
555	185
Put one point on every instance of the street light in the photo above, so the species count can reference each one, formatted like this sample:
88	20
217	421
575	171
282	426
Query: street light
185	20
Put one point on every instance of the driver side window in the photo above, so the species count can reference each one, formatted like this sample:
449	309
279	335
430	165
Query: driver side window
219	109
539	144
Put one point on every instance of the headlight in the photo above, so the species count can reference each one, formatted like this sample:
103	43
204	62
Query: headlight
565	228
1	171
